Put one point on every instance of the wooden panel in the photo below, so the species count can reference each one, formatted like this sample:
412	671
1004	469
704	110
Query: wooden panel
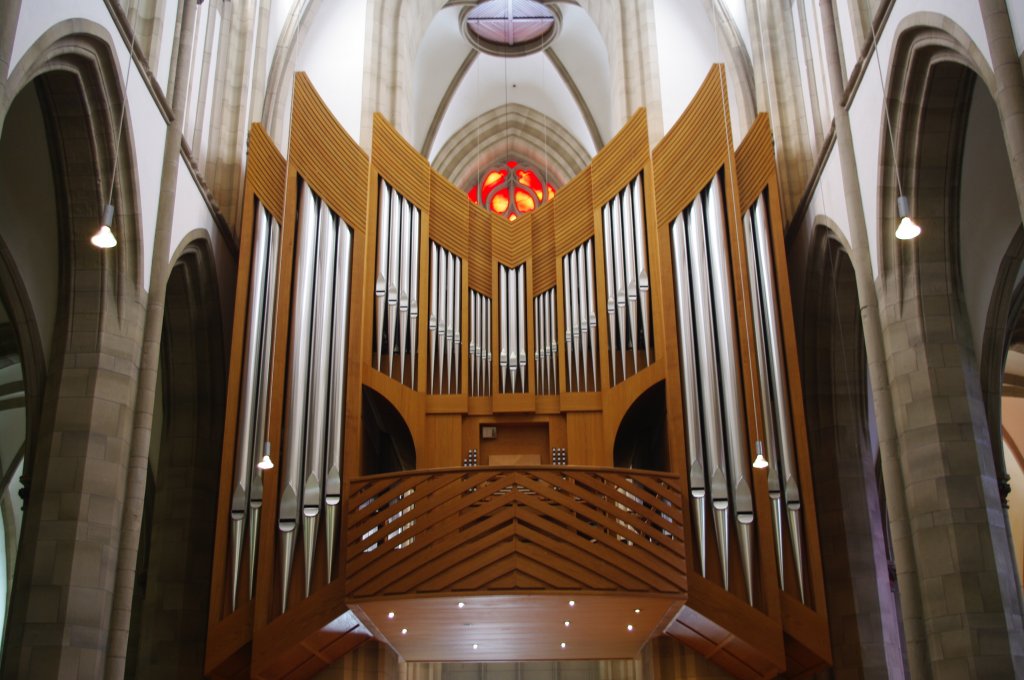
585	445
516	439
755	161
518	627
338	176
479	261
544	260
510	241
443	442
449	216
693	150
621	159
399	163
574	213
266	170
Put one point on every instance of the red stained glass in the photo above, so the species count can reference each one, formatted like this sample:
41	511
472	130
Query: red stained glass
511	190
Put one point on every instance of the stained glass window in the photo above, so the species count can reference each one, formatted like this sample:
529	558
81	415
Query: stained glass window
511	190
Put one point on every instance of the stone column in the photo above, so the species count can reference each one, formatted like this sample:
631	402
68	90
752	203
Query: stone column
892	471
1009	94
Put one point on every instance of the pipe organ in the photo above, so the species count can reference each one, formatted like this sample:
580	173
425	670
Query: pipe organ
612	363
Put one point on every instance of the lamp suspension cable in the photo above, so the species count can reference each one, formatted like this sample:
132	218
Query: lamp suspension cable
907	229
104	238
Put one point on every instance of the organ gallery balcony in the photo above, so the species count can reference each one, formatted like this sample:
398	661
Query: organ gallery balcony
490	563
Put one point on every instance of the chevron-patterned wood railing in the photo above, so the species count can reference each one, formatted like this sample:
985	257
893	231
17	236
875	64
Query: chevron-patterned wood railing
515	529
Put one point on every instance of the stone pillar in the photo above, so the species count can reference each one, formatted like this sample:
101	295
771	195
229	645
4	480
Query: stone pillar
892	470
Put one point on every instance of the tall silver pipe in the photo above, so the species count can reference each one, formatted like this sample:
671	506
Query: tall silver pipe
432	318
620	280
487	346
685	304
472	342
642	276
583	314
632	286
538	351
609	280
404	274
783	419
381	287
449	320
336	404
567	298
457	322
298	379
394	277
769	445
318	385
246	432
707	351
414	295
513	328
574	318
502	324
521	339
553	338
732	389
263	397
591	317
442	310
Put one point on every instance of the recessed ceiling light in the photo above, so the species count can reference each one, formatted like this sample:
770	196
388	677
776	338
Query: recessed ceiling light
563	645
566	624
629	627
636	611
391	615
475	645
404	631
461	605
572	603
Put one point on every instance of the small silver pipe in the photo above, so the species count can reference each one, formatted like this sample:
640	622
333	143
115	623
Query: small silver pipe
620	280
591	318
414	295
502	324
394	276
487	346
404	275
442	310
609	280
642	276
432	318
632	287
472	343
537	351
574	308
521	305
449	320
381	287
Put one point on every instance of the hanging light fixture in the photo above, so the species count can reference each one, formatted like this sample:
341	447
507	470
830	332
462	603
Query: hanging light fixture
104	237
265	462
907	229
760	462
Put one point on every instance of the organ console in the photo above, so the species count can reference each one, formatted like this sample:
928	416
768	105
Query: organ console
486	430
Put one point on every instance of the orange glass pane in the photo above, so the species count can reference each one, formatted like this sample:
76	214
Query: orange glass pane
499	203
512	217
551	192
524	201
493	179
472	195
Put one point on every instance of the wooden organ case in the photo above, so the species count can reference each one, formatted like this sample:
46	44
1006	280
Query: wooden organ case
526	440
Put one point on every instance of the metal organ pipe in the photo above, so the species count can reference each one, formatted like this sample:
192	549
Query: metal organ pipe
512	358
545	341
291	478
249	437
479	344
773	341
710	402
445	334
691	385
732	395
642	277
381	286
521	314
580	318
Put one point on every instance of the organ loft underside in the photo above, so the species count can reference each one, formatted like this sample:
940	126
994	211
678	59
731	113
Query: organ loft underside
496	440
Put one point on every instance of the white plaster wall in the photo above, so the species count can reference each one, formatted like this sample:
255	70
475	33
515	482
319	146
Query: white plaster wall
689	43
1016	11
989	216
279	12
532	82
829	200
866	114
738	10
442	51
162	67
847	39
581	49
332	56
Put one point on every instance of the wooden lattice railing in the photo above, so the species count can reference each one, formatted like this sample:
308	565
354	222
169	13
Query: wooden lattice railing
514	529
